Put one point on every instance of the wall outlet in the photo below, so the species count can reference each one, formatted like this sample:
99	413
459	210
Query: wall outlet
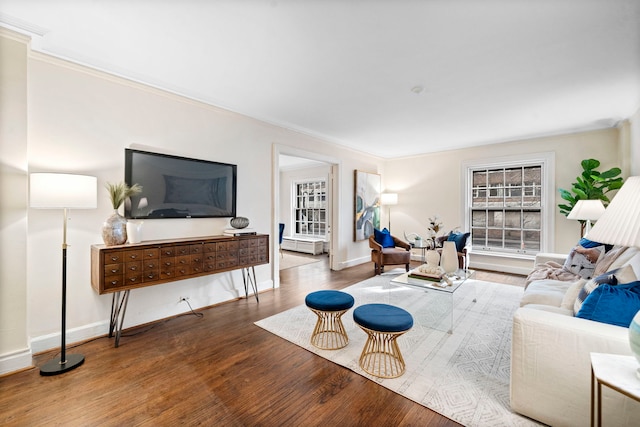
183	299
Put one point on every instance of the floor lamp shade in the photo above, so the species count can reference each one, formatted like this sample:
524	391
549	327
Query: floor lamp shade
62	191
620	222
389	199
587	211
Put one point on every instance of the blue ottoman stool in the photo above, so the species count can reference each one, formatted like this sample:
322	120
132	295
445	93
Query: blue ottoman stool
329	306
383	324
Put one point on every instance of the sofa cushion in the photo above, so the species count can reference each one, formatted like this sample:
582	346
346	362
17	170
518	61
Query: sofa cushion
615	305
582	261
383	238
545	292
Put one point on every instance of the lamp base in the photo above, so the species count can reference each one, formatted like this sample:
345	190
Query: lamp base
55	367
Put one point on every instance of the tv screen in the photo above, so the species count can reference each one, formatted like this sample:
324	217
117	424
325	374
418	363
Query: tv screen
179	187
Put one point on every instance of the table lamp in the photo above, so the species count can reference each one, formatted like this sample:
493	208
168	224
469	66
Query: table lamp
620	225
587	211
388	199
62	191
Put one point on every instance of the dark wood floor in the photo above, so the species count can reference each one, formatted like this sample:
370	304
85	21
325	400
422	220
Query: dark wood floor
219	369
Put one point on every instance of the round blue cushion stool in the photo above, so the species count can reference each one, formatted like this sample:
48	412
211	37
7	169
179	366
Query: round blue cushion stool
383	324
329	306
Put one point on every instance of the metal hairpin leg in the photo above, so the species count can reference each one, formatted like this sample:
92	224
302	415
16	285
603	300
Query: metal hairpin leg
250	277
118	309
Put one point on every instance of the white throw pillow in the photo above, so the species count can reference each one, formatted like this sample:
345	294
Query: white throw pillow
570	296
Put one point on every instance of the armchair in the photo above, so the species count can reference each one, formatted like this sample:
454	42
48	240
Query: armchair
399	253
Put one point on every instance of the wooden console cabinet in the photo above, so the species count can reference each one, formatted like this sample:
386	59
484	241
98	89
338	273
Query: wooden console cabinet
116	269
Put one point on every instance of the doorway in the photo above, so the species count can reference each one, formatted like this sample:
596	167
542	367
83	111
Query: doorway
305	214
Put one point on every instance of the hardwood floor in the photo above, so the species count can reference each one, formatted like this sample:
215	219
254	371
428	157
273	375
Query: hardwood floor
218	369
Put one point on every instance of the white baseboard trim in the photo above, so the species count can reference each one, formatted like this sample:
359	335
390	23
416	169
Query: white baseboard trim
15	361
501	268
51	341
353	262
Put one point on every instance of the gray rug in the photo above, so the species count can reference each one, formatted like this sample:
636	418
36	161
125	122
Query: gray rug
463	376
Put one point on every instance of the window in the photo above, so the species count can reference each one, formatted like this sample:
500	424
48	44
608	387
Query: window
310	210
508	206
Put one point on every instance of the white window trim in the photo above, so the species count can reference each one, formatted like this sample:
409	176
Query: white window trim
547	159
293	204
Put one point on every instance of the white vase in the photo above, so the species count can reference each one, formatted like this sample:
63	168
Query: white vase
634	338
449	257
134	231
433	258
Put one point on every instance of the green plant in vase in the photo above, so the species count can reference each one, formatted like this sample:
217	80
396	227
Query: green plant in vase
114	229
119	192
591	184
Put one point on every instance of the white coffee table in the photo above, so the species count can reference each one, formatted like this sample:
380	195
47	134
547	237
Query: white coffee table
458	278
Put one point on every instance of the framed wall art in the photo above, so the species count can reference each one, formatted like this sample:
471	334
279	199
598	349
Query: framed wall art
367	204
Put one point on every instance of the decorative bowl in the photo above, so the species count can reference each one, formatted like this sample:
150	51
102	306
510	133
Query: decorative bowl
239	222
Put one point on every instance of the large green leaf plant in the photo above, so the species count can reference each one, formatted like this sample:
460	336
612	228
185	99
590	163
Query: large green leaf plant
590	185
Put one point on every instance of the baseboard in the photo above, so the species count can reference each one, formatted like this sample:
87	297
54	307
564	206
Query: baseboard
354	262
500	268
16	361
82	333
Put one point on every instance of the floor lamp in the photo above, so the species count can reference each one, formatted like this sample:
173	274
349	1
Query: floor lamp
62	191
388	199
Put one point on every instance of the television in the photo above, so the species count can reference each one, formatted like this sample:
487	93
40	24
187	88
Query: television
179	187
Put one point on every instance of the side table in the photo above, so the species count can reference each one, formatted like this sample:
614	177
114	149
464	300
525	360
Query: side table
617	372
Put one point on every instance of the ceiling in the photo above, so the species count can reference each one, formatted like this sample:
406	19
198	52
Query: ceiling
392	78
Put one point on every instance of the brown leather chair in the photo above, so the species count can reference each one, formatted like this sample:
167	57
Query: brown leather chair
399	254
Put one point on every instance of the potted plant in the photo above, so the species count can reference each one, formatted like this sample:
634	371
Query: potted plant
114	229
590	185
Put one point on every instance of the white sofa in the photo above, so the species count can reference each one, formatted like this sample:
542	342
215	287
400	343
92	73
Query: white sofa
550	357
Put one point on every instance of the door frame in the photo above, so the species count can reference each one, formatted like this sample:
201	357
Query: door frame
335	166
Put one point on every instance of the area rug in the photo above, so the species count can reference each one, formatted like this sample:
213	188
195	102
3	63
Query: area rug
290	260
463	376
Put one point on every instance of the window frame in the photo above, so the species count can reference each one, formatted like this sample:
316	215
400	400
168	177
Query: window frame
318	210
547	202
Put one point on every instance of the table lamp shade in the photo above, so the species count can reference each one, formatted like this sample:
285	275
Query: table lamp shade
61	190
620	222
389	199
589	210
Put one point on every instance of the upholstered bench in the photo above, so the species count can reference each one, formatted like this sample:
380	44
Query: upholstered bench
383	324
329	306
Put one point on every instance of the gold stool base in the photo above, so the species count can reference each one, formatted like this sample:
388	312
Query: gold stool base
381	356
329	332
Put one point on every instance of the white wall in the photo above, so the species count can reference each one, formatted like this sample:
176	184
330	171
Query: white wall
80	120
13	202
634	136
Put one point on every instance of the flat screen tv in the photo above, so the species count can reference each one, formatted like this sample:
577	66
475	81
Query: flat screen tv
179	187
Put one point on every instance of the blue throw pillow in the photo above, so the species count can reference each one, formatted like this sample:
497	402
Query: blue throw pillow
586	243
460	240
383	238
615	305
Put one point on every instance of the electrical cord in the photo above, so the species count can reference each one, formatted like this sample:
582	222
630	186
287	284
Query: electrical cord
191	312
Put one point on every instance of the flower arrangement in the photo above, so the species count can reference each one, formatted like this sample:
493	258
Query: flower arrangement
435	225
119	192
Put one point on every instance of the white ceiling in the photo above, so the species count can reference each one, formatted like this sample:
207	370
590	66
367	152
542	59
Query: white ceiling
489	70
